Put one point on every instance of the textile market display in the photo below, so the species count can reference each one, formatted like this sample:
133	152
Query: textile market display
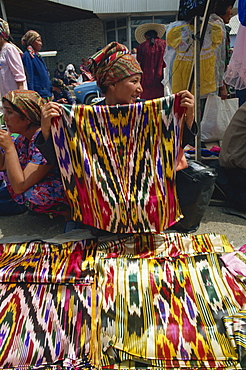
167	301
46	305
179	56
117	163
164	300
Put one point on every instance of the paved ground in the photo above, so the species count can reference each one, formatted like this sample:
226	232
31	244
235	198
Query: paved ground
28	227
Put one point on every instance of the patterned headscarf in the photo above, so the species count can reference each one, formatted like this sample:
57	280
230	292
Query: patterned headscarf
113	63
27	40
4	29
29	37
28	102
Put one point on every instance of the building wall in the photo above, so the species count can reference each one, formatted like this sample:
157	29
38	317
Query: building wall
136	6
71	40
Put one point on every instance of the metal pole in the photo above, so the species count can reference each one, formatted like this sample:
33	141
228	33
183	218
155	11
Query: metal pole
4	15
197	48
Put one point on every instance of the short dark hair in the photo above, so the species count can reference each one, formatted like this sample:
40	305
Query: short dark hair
223	5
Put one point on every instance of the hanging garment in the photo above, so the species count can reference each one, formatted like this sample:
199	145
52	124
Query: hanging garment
235	74
118	163
179	56
242	11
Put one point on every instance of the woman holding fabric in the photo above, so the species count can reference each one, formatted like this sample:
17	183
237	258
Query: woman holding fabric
164	298
38	78
118	74
30	182
12	74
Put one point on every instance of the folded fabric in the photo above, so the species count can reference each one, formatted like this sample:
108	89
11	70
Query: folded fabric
144	301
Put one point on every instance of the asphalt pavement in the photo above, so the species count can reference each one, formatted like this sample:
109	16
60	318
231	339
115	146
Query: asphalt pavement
28	227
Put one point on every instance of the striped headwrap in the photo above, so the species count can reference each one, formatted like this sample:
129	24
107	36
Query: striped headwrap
28	102
112	64
29	37
4	29
27	40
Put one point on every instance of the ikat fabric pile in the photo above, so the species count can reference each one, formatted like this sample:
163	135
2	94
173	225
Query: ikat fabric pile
147	301
117	163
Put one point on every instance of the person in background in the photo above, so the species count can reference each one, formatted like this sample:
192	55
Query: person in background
134	52
224	11
231	168
70	75
12	74
150	57
29	181
86	74
58	73
38	78
61	93
235	74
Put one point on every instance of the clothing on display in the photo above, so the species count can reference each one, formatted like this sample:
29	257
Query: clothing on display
118	163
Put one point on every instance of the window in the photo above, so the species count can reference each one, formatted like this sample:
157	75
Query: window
117	31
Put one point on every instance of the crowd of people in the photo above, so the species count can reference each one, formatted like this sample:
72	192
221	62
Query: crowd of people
146	298
31	99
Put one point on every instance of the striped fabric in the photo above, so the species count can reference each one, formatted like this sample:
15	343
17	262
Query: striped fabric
147	301
164	309
46	305
117	164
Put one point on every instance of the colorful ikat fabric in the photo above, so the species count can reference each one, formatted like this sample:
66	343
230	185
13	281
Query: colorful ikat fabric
117	163
147	301
46	305
164	307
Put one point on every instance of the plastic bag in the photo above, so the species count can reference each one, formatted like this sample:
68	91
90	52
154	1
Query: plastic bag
216	117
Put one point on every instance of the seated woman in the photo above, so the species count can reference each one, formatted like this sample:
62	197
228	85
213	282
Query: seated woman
70	75
61	93
29	181
118	74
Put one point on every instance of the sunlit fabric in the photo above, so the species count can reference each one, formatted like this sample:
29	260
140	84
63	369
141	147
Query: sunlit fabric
118	163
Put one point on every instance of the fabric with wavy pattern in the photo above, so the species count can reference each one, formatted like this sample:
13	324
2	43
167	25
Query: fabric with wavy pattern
117	163
46	305
147	301
163	308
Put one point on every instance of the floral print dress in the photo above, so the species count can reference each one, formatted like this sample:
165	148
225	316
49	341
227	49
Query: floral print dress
47	196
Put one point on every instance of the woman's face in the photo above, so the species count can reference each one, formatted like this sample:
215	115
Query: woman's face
127	90
37	44
14	122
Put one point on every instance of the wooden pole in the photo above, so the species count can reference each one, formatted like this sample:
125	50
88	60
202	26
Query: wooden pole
197	49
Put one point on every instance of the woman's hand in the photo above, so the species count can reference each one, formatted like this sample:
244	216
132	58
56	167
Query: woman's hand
6	142
49	111
223	93
62	101
187	101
